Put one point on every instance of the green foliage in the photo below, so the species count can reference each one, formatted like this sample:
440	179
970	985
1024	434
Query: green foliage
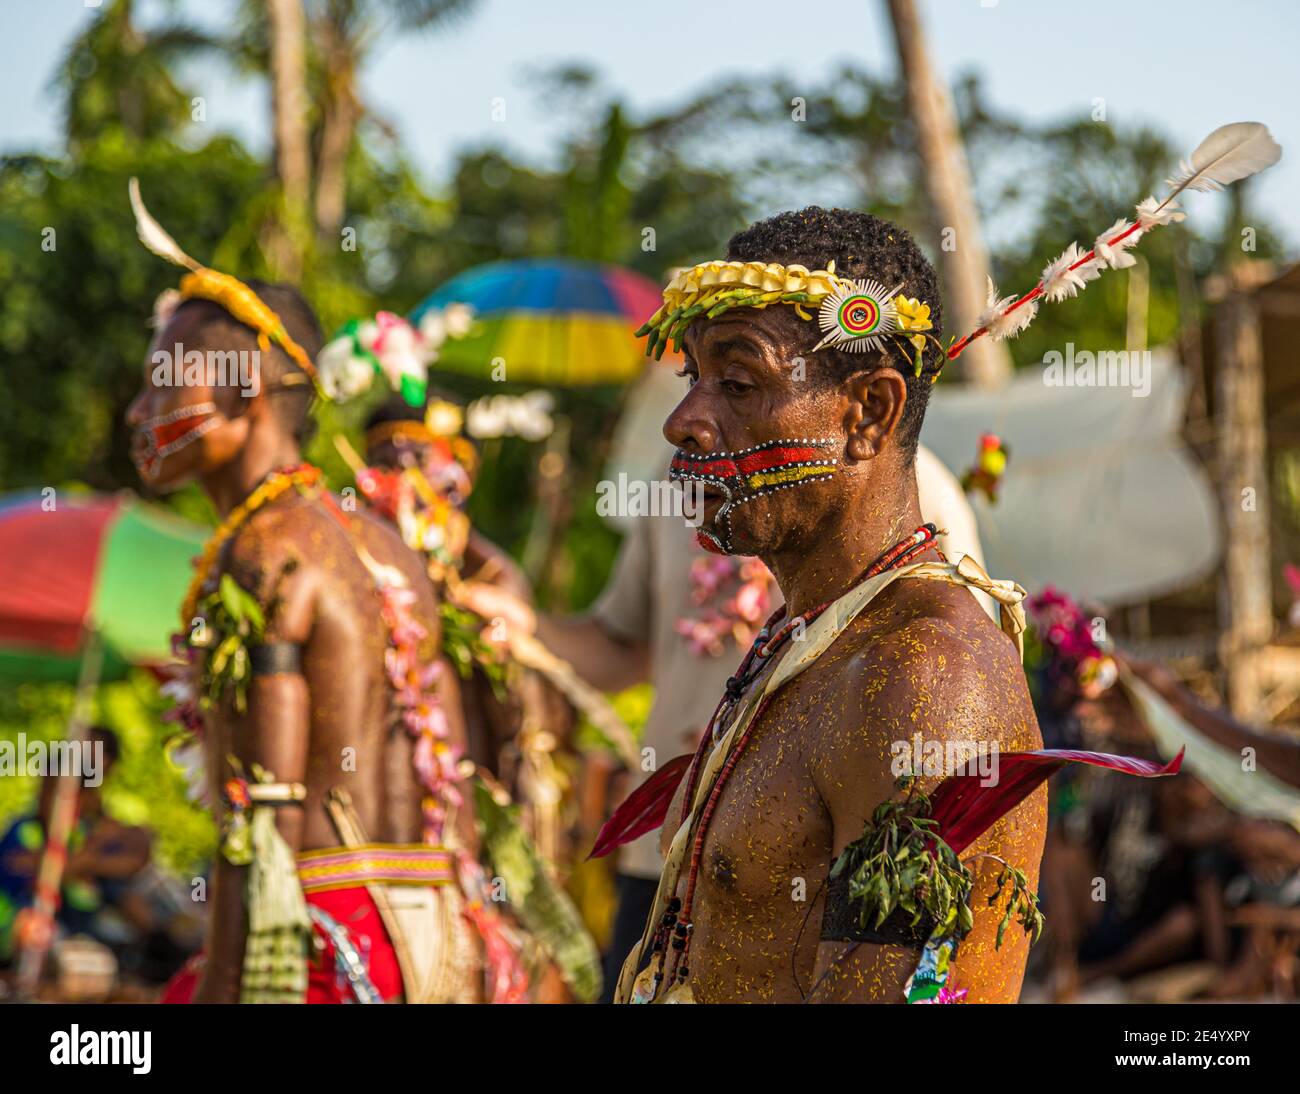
144	788
632	705
116	76
1022	904
465	647
901	862
543	908
233	622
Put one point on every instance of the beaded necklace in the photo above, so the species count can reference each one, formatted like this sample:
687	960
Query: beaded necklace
275	484
677	923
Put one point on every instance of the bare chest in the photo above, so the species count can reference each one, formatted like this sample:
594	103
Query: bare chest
761	864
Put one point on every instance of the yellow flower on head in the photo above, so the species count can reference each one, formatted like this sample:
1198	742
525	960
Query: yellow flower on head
912	314
918	343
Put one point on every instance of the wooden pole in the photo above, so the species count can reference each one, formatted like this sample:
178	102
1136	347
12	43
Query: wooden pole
1245	589
37	934
965	264
287	25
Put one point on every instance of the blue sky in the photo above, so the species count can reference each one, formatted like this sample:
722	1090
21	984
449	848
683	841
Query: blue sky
1185	67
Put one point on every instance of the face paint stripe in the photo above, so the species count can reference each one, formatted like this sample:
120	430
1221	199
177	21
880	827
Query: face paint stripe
192	434
730	472
791	474
762	461
752	473
170	432
166	434
723	465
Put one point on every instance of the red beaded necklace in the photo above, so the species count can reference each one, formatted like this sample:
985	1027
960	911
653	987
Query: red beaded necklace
677	922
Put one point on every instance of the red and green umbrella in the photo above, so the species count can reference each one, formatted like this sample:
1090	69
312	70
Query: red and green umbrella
553	321
110	564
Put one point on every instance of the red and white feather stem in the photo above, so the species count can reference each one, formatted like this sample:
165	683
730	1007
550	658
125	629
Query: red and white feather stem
1231	153
955	349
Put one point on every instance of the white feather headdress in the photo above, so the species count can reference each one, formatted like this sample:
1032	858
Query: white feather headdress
1229	154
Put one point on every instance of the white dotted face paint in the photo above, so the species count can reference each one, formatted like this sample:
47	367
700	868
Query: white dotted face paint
170	432
751	473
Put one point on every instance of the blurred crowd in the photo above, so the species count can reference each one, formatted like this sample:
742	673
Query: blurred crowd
1158	891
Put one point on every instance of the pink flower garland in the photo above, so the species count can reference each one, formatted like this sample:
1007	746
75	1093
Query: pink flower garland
507	979
413	683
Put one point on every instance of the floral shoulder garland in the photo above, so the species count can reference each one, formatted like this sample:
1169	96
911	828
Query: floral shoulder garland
414	680
437	529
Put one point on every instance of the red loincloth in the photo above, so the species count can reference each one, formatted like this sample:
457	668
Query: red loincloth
355	911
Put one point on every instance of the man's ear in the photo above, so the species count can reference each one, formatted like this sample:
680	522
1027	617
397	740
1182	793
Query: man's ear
876	401
241	413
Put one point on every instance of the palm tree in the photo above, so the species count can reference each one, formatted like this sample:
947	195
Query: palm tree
339	36
344	32
947	180
115	75
288	62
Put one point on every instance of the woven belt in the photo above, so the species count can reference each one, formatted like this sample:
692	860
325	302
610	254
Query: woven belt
373	863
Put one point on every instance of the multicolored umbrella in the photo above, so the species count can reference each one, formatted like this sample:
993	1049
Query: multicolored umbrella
553	321
108	563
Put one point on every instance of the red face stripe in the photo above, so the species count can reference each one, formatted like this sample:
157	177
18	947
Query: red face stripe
173	431
772	457
725	467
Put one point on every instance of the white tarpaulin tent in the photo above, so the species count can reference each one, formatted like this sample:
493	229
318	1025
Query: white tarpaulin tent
1100	498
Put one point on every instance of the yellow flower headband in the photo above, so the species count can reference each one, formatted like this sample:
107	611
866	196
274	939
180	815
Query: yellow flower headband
854	315
229	292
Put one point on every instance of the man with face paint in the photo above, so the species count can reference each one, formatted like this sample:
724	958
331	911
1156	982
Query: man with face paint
802	424
317	710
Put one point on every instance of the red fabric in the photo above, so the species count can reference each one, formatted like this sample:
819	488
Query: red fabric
48	564
644	809
963	807
965	810
352	909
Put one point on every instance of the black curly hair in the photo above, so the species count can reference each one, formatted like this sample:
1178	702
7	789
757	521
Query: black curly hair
861	246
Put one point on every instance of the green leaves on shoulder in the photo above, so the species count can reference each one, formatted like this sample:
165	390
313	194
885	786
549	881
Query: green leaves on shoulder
901	862
1022	903
234	621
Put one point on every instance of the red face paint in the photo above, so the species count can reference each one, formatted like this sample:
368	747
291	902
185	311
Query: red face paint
751	473
171	432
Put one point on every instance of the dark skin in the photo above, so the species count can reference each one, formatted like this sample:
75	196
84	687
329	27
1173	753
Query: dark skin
923	657
489	724
331	725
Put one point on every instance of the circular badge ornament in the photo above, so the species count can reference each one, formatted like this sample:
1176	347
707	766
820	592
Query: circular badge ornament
857	316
